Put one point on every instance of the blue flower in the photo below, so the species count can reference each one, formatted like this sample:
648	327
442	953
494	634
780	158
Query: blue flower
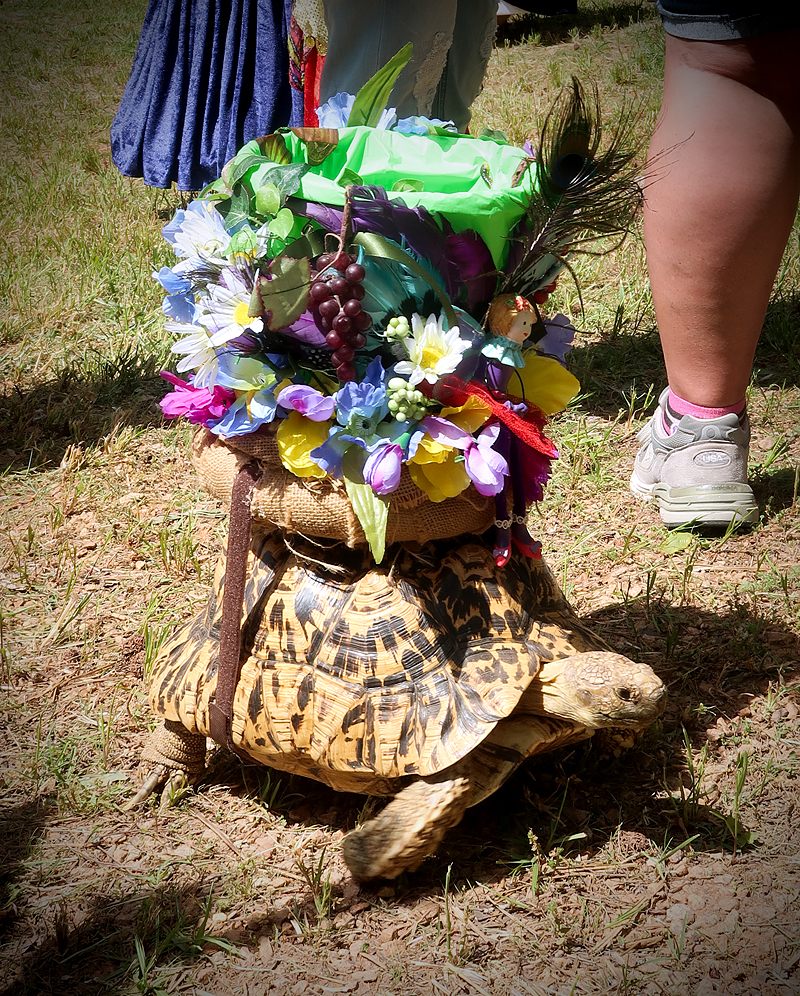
419	125
249	412
360	408
335	112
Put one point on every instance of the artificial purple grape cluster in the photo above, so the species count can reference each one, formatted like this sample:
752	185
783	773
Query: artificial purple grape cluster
336	295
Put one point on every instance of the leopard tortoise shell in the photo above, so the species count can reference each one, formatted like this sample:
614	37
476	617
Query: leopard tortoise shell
430	678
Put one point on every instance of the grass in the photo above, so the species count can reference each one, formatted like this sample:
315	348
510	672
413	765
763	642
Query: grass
106	543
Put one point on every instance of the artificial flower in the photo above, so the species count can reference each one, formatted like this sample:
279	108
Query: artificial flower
197	404
432	352
308	401
297	436
247	414
484	466
544	382
198	232
418	124
559	337
198	353
438	470
335	112
382	468
226	310
256	404
360	408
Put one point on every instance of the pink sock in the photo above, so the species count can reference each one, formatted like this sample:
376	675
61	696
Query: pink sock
676	407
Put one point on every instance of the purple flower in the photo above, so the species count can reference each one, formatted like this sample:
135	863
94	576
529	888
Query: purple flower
382	468
198	404
308	401
486	468
559	338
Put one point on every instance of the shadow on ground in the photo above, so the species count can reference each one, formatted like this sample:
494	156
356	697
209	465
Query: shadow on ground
559	28
37	426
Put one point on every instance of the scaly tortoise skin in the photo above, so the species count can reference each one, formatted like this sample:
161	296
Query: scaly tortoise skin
429	678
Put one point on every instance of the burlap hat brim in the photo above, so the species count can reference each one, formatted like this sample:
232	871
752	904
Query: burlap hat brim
320	507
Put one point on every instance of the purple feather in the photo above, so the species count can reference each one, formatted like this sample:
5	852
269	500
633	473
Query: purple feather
462	260
327	216
305	329
471	257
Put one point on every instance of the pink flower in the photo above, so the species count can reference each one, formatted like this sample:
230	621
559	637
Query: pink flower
198	404
308	401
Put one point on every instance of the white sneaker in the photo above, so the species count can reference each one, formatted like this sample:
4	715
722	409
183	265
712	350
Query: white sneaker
697	475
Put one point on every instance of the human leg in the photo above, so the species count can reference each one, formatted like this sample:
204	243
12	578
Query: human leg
461	81
724	182
722	197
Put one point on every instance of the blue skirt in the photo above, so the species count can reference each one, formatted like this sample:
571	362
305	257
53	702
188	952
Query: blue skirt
208	75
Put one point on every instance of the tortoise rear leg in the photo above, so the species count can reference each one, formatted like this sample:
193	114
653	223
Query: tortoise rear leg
174	758
407	830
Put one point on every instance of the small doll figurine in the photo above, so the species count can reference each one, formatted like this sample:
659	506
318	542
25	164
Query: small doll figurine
510	320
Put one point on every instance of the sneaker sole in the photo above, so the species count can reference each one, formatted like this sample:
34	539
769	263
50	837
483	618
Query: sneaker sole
706	505
640	489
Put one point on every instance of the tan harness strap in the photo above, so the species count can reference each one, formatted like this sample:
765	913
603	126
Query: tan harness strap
220	711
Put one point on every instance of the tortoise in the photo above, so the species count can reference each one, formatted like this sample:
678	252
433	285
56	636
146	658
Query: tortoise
429	678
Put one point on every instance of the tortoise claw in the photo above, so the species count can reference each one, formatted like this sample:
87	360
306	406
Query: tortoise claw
174	790
158	776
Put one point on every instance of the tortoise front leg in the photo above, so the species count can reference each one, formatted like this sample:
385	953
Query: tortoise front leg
407	830
174	758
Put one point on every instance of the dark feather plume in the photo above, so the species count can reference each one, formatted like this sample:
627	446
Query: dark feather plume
583	194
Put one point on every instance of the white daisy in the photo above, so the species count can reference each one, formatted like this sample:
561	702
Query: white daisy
226	309
198	232
432	352
198	353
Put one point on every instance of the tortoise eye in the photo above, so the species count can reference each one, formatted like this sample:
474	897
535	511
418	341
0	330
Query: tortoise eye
624	694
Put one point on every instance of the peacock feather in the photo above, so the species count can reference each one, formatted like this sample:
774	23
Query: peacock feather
582	193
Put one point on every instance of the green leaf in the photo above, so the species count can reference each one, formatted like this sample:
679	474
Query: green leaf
216	190
372	512
676	541
274	147
285	178
407	183
285	296
239	167
348	176
235	210
371	99
268	198
282	224
249	149
494	136
244	241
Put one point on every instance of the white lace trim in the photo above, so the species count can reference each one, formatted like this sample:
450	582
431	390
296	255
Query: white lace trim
430	72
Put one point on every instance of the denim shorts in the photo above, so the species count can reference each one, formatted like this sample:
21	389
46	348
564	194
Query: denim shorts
727	20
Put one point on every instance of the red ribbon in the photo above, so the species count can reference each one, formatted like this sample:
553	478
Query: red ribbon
454	392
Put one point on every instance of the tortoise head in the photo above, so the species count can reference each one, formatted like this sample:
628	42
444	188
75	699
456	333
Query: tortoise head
600	689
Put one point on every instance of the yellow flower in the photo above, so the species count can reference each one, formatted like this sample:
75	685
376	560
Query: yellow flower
470	416
297	436
434	470
544	382
434	467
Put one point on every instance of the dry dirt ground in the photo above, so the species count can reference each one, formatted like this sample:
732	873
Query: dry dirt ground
584	874
673	868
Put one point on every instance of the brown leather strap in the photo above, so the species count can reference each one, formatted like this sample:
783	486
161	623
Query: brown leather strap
220	712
